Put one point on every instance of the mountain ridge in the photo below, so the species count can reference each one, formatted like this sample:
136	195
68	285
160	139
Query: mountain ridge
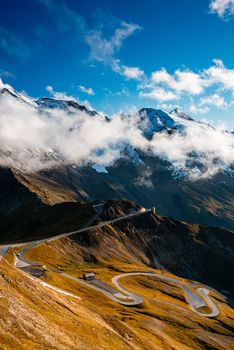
183	191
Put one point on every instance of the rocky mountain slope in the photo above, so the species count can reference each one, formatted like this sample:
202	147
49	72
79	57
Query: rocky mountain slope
208	201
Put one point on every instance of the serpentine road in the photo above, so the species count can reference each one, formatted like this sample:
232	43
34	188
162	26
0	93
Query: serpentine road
195	301
122	296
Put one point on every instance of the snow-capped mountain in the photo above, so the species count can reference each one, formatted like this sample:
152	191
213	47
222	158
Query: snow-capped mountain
151	157
150	120
44	102
9	91
152	123
156	120
178	112
52	103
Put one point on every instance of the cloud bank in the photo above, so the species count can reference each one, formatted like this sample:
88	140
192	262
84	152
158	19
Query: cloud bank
34	139
188	82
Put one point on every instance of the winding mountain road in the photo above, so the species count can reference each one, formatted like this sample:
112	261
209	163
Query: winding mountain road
122	296
195	301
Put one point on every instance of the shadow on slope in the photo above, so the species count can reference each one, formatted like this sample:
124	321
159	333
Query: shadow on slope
24	217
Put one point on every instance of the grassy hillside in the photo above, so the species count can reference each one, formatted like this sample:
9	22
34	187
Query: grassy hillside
35	317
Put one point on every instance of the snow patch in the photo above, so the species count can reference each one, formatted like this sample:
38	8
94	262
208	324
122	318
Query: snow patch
99	168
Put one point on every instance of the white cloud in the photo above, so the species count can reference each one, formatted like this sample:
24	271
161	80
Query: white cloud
159	94
164	86
222	7
123	32
213	100
103	49
180	81
88	91
134	73
50	89
198	109
219	74
100	49
205	103
59	95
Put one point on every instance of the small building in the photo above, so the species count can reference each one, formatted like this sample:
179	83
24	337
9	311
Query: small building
89	276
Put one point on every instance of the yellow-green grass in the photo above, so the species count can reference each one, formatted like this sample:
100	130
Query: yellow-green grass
164	319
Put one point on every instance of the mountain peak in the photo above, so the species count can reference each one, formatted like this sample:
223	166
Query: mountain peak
7	90
52	103
178	112
155	120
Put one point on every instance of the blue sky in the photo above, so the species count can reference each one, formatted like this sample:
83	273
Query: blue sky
120	56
